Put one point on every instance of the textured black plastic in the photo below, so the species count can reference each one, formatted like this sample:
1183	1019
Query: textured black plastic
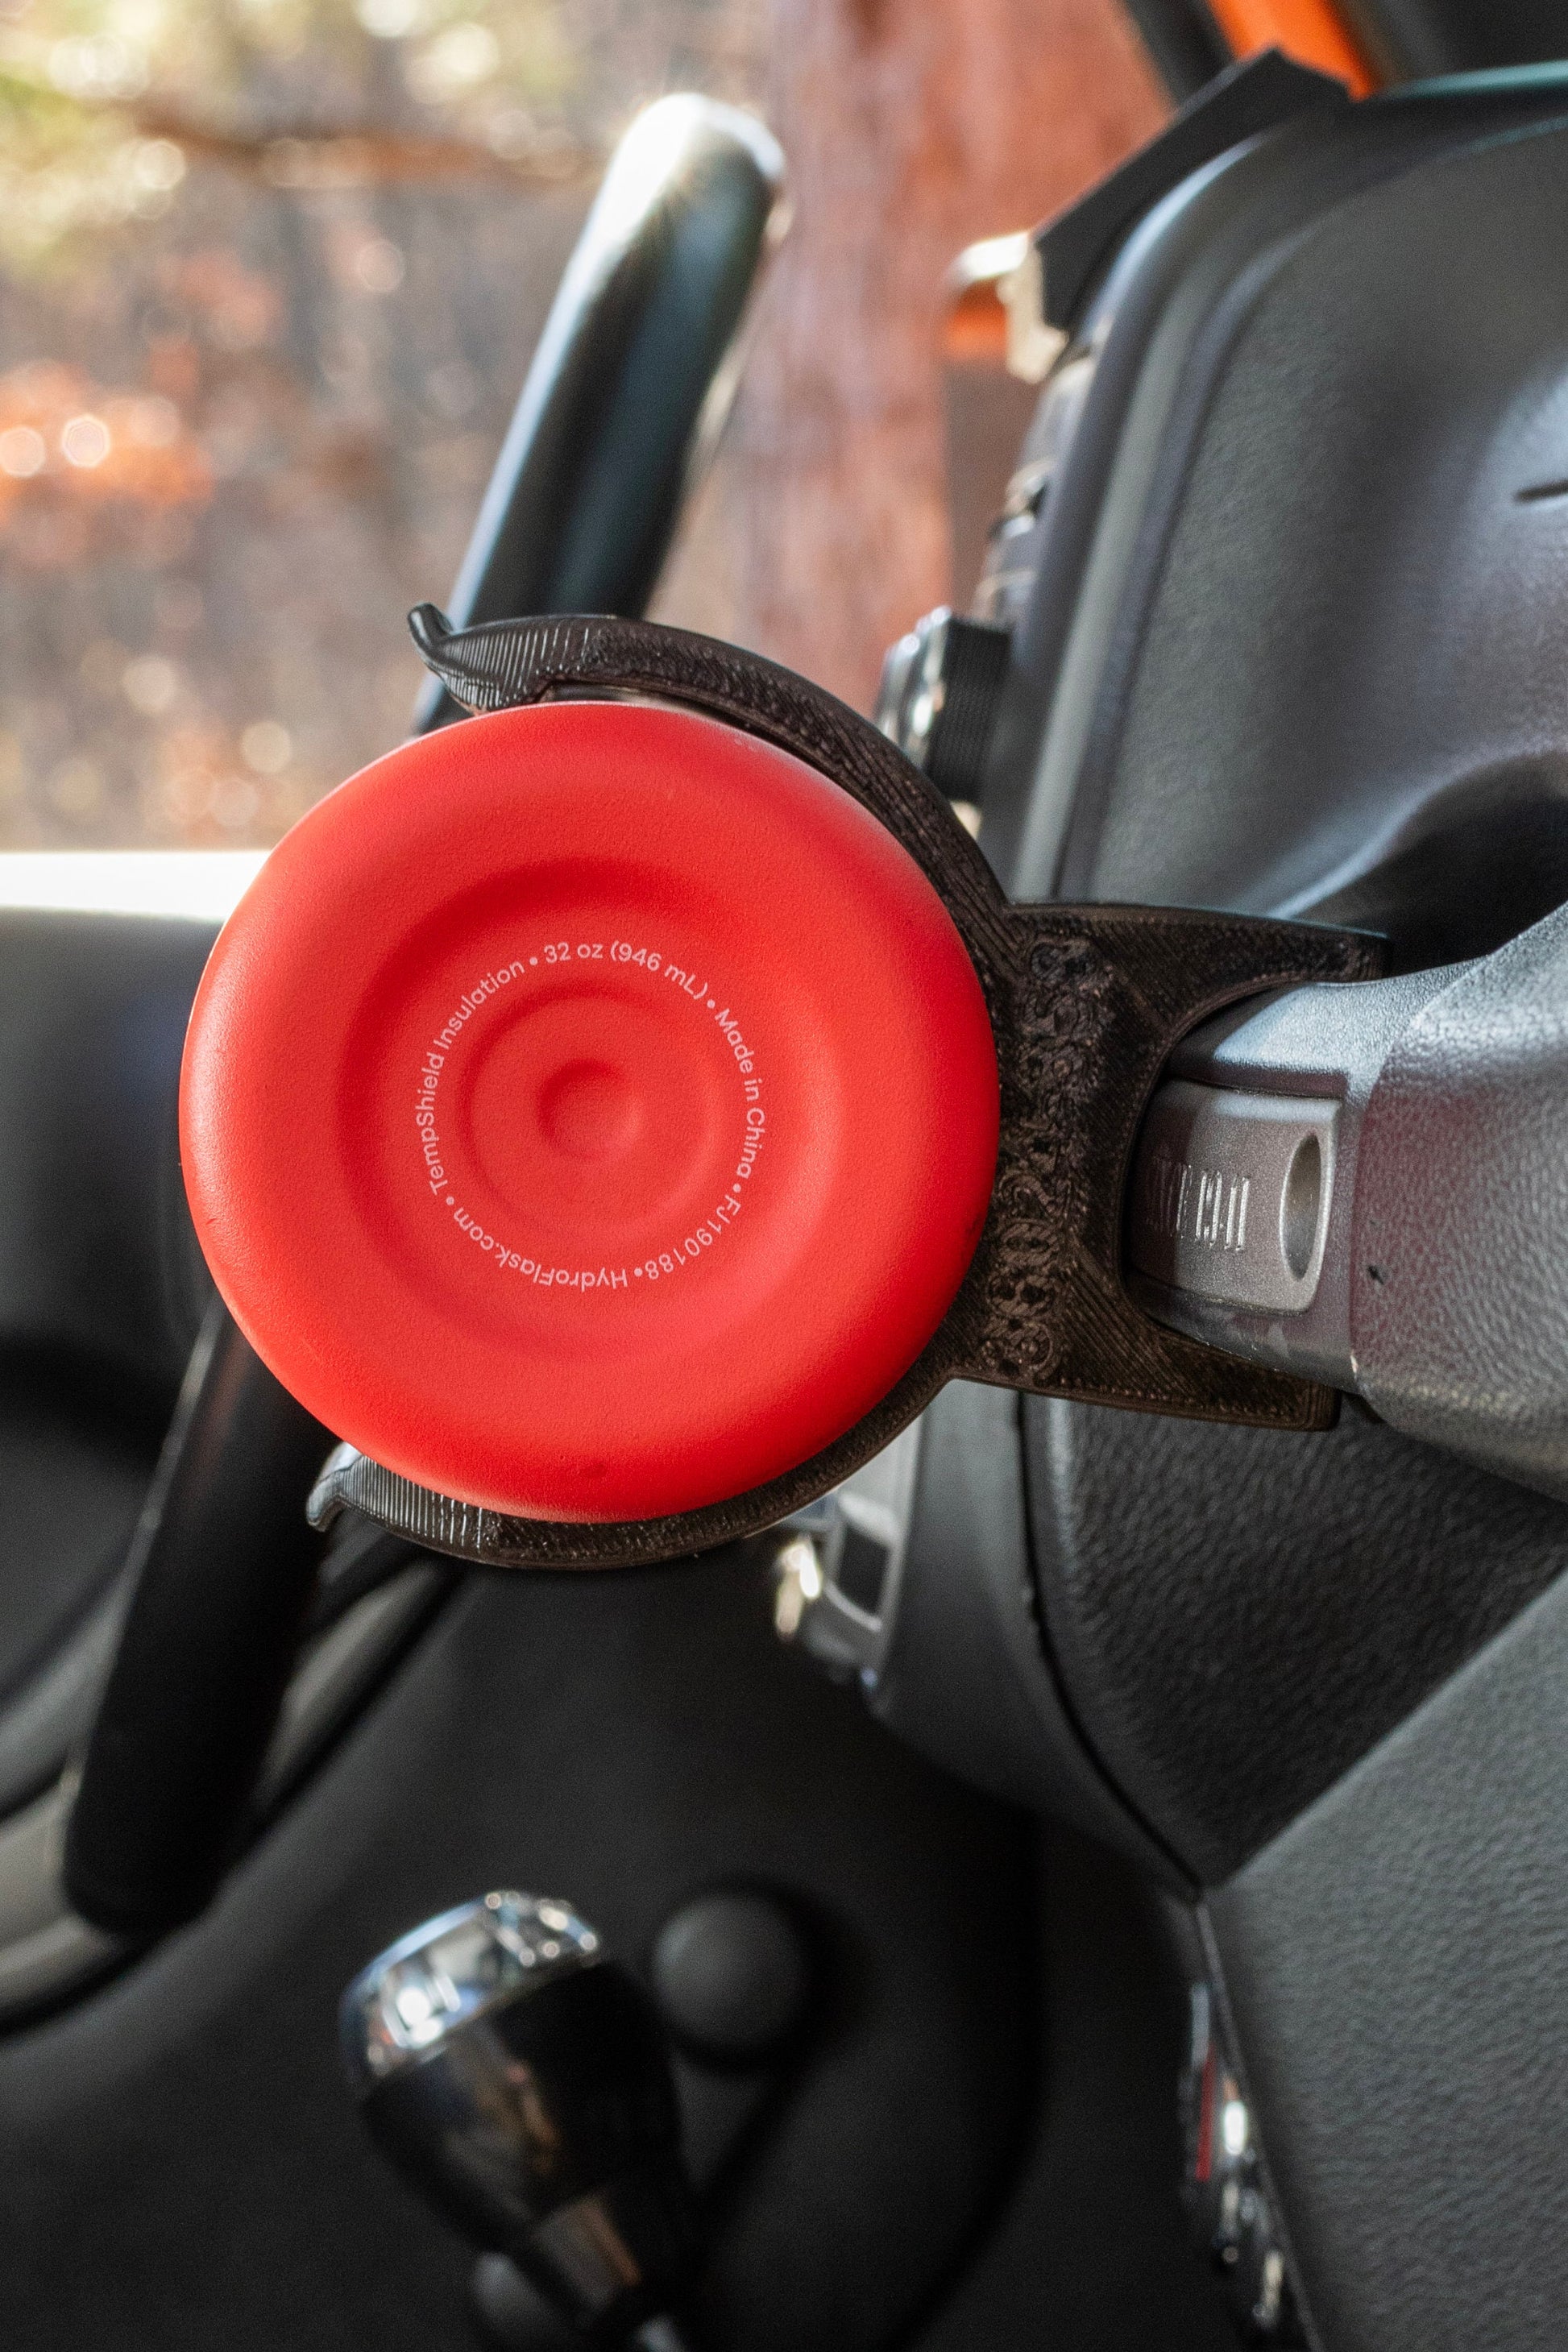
966	1677
1086	1003
1330	618
1396	1968
1238	1618
1331	607
222	1573
974	664
1242	102
1314	675
1295	219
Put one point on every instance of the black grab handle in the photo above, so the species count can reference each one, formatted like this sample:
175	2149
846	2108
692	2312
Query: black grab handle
630	378
629	374
224	1566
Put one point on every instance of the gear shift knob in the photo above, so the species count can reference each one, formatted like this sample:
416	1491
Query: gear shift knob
520	2080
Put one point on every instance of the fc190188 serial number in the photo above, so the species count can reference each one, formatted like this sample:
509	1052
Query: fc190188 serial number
671	1261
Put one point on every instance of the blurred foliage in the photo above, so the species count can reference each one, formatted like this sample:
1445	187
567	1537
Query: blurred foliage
102	102
270	273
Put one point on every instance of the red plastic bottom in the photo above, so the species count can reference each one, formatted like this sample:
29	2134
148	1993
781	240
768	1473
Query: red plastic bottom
590	1112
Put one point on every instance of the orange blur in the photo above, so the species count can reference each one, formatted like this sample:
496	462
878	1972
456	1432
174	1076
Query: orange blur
1311	31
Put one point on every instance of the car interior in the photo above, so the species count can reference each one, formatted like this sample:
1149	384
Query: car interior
894	1684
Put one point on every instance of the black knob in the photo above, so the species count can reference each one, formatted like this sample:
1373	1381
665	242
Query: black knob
940	693
521	2080
731	1974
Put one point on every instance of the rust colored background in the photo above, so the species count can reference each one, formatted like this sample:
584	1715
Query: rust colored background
914	127
268	287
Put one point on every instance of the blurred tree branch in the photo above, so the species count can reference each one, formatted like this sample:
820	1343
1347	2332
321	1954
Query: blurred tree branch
105	103
309	156
314	158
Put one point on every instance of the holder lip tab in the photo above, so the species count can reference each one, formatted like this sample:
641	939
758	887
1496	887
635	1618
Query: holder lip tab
1086	1003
